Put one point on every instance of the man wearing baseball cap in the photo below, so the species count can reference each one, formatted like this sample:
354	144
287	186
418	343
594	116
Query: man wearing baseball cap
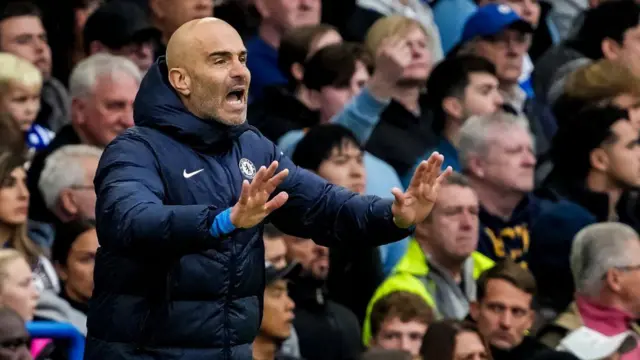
278	313
121	28
497	33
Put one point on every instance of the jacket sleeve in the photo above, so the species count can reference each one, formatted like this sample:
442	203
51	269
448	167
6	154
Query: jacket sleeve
330	214
130	213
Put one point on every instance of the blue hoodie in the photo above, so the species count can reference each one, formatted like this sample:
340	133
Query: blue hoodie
166	285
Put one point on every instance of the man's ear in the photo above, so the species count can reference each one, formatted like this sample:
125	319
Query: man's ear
599	159
474	310
67	204
475	166
453	107
77	111
610	48
613	280
180	81
297	70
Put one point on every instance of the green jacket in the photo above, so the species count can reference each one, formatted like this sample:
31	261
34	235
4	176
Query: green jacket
407	276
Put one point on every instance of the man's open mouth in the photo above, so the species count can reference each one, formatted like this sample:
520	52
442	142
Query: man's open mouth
237	95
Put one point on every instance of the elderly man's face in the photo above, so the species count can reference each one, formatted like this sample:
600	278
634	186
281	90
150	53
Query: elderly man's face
625	281
509	161
79	201
108	110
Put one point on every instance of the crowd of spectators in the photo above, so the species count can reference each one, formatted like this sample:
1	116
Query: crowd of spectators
532	248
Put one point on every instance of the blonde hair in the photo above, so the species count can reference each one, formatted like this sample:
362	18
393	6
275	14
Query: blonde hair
7	256
393	25
602	80
15	70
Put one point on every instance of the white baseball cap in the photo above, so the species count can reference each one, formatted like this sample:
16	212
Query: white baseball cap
588	344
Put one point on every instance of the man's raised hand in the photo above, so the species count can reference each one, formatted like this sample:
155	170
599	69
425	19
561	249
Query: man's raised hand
254	204
414	205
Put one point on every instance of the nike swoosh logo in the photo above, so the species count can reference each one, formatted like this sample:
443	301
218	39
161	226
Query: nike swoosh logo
188	175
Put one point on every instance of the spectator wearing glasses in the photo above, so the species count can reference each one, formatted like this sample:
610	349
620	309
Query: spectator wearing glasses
606	270
459	87
497	33
67	182
596	157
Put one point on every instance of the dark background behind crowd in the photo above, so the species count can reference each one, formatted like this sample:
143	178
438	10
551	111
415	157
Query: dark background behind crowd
531	251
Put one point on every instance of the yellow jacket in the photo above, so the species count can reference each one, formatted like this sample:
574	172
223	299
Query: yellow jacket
406	276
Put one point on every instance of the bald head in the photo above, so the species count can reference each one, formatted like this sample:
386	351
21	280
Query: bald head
206	59
190	38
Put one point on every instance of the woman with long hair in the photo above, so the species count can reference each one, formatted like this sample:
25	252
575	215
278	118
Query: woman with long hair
454	340
14	209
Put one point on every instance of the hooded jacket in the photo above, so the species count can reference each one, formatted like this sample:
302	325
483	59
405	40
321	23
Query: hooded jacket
165	287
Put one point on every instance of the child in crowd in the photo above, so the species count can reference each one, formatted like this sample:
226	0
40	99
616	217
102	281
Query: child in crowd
20	86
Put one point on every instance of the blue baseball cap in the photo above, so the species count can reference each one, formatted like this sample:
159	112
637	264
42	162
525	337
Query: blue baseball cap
490	20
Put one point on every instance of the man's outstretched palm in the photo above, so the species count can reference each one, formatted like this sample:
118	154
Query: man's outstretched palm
415	204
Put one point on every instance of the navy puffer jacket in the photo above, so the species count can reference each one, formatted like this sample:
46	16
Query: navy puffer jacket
164	287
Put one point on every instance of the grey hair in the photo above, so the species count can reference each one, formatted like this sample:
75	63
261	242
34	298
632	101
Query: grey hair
63	170
476	132
86	73
595	250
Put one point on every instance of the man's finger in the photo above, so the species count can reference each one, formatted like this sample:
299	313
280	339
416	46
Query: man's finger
244	193
276	180
270	171
257	180
419	174
276	202
443	175
399	196
433	170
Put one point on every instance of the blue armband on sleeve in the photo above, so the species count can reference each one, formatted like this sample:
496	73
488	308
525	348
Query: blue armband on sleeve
222	224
